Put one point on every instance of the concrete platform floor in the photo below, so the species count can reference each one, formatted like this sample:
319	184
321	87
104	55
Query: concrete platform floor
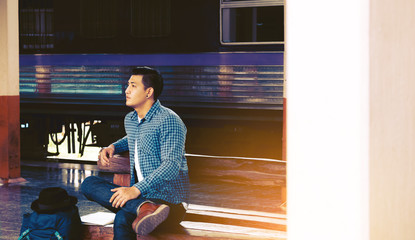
16	198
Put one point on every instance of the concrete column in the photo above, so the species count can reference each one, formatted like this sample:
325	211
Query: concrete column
9	92
327	119
350	119
392	120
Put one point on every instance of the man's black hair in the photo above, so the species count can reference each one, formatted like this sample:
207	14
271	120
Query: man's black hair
151	78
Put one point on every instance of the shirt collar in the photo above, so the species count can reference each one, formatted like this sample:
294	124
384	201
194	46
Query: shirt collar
149	114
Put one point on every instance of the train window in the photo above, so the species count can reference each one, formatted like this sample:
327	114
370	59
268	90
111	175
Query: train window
150	18
252	22
98	18
36	24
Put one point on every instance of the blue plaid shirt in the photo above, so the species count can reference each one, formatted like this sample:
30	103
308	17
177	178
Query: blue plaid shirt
160	137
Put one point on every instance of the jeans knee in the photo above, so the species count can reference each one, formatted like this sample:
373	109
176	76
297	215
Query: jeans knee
86	185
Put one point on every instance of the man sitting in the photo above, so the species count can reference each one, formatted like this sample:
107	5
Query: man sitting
159	174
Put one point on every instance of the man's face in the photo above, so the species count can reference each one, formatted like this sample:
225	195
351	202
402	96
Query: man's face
135	93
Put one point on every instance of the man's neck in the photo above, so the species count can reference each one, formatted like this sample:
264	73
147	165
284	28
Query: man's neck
143	109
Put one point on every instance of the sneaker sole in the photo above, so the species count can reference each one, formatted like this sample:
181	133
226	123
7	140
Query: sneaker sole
150	222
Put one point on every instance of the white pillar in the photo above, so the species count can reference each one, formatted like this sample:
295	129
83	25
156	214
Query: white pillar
327	119
351	119
9	50
392	120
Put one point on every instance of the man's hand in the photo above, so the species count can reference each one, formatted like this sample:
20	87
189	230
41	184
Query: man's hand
105	154
122	195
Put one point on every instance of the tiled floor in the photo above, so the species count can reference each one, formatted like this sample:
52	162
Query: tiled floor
15	199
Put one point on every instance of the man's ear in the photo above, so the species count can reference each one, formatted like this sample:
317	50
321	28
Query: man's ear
150	92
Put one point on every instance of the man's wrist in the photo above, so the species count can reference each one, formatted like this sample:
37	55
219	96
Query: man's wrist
136	189
110	146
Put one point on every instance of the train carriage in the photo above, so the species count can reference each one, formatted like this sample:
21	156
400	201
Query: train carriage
222	63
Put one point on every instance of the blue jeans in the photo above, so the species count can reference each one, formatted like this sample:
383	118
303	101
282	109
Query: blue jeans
99	190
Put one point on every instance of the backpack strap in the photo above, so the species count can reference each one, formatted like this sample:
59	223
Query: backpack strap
58	236
24	235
